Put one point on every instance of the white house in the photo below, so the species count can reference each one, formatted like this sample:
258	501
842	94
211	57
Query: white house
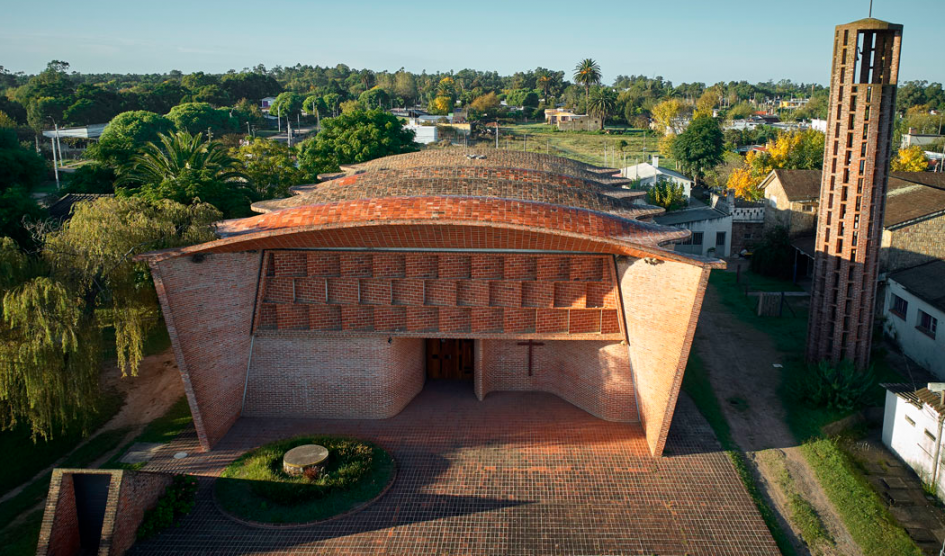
915	306
912	429
423	134
649	173
711	230
265	103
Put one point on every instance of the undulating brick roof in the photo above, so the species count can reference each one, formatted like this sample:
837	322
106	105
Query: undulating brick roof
457	198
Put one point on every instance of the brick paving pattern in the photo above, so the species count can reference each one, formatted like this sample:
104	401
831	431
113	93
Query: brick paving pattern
518	473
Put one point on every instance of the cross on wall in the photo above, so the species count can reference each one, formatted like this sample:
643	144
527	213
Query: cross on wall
531	344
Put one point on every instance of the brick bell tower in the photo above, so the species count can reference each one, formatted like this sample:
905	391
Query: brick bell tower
853	190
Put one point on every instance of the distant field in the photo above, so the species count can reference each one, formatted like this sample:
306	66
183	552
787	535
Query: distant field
631	146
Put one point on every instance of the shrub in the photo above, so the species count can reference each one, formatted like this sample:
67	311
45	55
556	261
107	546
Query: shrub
176	502
667	194
840	387
349	461
774	256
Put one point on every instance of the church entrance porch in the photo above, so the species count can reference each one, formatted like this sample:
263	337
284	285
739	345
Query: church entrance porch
450	359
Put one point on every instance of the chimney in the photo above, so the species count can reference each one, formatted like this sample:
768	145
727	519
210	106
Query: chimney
912	131
656	161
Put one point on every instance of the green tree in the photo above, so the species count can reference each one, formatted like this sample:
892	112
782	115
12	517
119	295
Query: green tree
185	168
198	117
700	147
125	134
603	102
667	194
286	105
250	85
85	280
270	167
374	98
356	136
587	73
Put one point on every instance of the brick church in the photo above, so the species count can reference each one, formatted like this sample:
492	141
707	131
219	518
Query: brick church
509	270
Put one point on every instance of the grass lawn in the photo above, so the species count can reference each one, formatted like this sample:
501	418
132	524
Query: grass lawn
584	146
21	540
862	511
254	486
161	430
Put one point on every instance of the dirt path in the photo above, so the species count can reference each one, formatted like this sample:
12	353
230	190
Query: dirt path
146	397
740	363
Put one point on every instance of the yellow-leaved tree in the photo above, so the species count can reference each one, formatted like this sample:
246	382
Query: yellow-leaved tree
911	159
665	115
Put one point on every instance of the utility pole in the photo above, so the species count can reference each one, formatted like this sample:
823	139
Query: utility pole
55	167
525	143
279	117
248	130
497	132
288	125
209	134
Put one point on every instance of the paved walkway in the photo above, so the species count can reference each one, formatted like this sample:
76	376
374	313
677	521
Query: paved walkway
518	473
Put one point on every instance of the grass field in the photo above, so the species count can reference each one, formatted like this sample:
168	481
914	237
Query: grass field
631	146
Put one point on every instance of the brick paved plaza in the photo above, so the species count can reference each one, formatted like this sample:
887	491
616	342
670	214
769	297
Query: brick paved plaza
518	473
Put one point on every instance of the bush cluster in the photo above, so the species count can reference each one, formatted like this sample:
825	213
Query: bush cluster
840	387
176	502
349	461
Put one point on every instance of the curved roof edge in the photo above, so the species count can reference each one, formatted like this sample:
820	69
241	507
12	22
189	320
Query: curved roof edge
605	232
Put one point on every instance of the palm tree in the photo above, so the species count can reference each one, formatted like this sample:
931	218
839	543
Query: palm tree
602	103
587	73
178	153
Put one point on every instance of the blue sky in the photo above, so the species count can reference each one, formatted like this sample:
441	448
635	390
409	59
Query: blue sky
682	40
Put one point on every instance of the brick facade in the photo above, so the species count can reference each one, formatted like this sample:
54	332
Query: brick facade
853	191
130	495
208	309
296	374
594	376
661	302
320	308
913	244
745	235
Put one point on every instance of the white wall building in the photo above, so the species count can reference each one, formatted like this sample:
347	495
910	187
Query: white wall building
711	230
423	134
915	308
649	173
912	429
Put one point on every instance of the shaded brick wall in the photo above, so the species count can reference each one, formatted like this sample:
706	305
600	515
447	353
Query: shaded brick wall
745	235
208	308
139	492
59	533
913	245
296	374
594	376
661	303
130	494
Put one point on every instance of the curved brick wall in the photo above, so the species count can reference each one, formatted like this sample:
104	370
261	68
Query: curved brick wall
303	375
593	375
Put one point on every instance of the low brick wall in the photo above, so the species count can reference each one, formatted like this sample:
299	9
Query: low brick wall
130	495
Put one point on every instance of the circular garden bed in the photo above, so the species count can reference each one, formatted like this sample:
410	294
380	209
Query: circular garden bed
255	488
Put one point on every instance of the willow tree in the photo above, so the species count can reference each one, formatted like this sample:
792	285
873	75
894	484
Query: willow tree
85	279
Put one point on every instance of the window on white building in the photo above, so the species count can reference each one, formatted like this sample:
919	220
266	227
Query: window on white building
900	307
927	324
720	239
697	238
910	421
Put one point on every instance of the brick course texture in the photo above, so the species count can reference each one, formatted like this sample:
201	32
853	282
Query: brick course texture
594	376
912	244
661	303
853	191
208	309
130	494
301	375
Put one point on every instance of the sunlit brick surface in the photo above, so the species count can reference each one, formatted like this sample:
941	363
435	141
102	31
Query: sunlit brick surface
519	473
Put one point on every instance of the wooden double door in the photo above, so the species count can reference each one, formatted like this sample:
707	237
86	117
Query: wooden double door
450	359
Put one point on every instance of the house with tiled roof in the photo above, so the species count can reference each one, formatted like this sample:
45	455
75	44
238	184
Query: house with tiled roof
914	313
504	269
